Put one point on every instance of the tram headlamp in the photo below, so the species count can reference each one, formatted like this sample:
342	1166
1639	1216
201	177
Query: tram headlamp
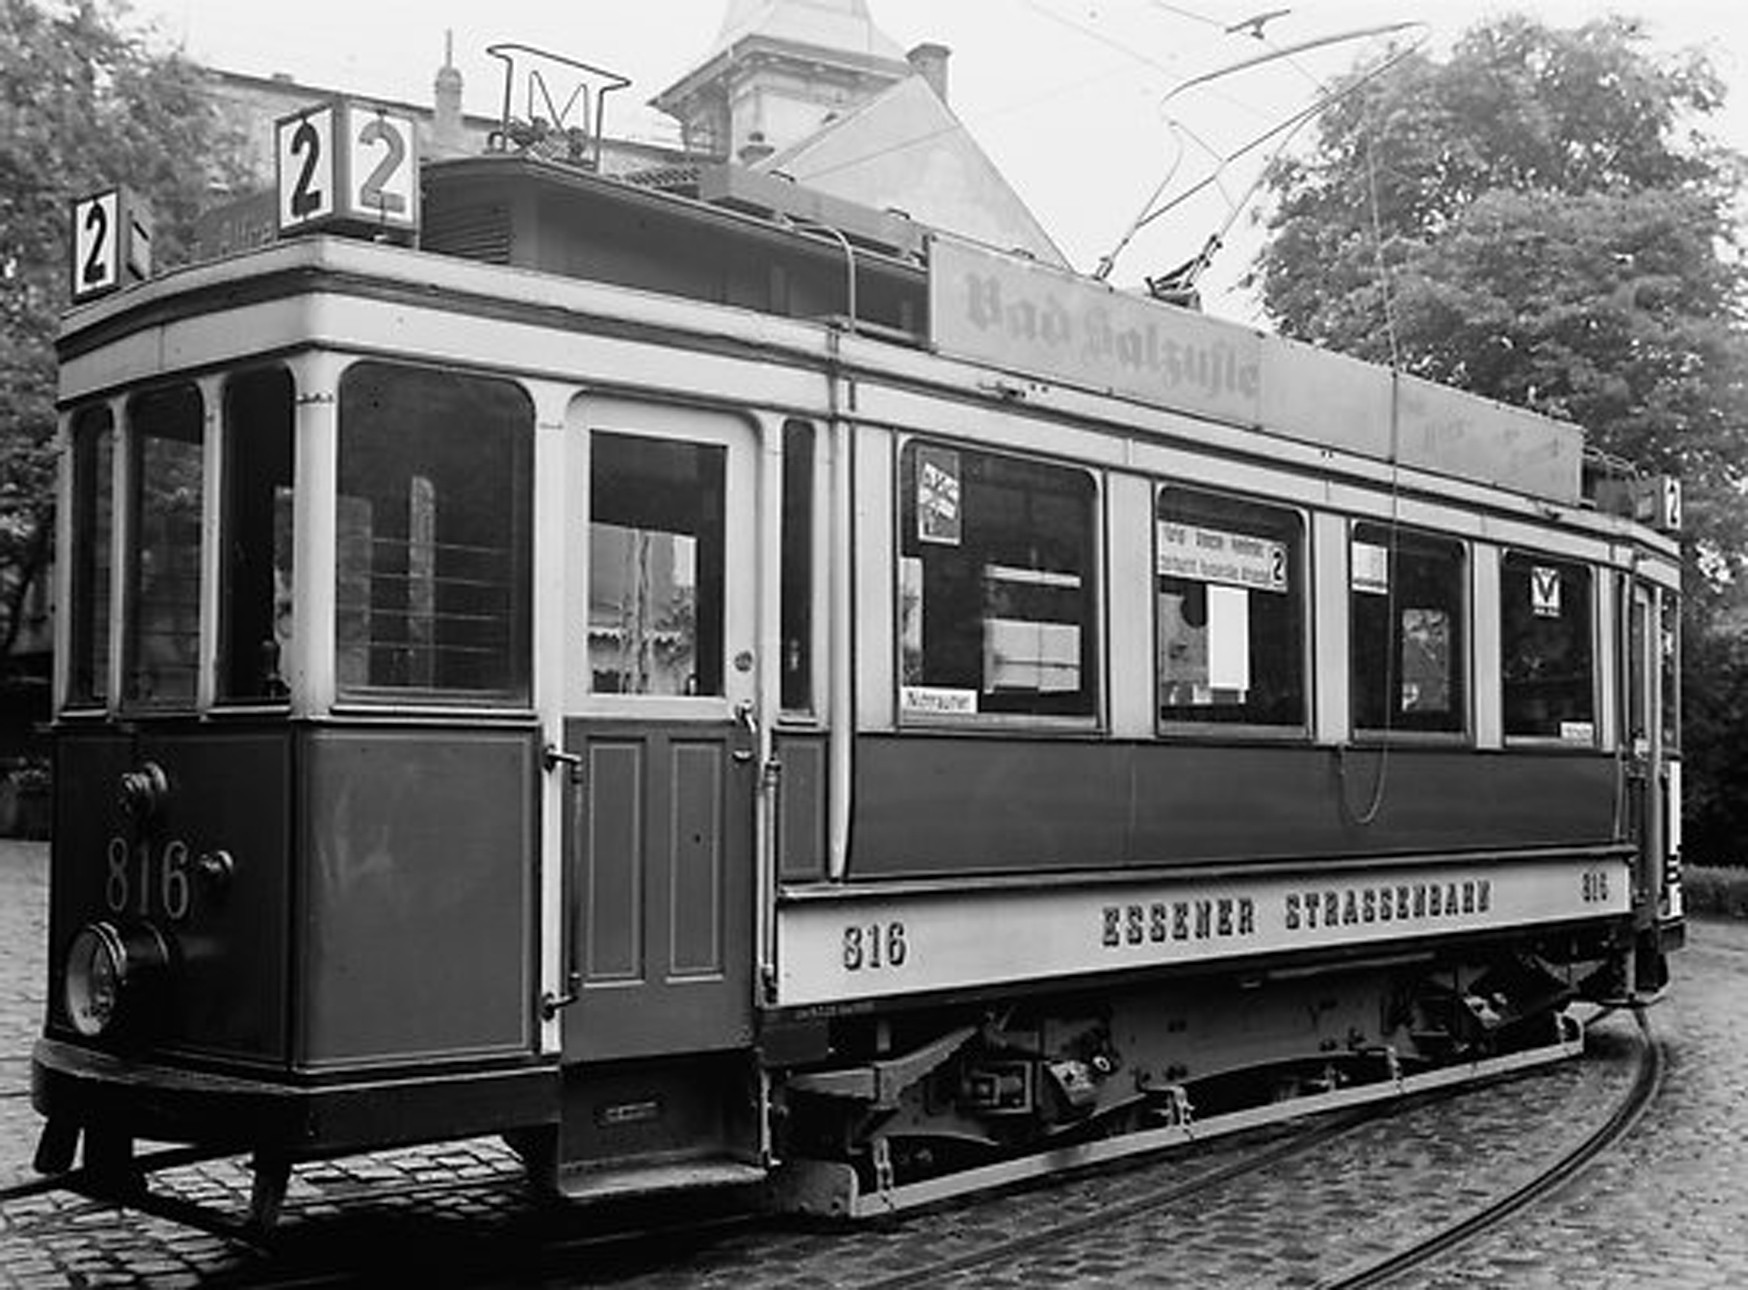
110	975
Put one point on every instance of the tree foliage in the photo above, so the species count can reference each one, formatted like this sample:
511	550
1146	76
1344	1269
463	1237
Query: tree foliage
1715	665
1553	233
1540	218
85	103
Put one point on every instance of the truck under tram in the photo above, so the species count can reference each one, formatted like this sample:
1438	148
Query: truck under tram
847	714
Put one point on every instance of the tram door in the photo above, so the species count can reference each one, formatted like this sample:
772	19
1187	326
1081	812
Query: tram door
660	765
1644	738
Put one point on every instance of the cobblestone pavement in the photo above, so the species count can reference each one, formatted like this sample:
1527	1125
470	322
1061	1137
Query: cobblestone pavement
23	935
1668	1207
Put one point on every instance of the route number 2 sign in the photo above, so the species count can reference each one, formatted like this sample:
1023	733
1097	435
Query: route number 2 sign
347	165
111	242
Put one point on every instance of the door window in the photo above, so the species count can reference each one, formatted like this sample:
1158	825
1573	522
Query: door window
797	567
1638	675
1669	659
656	565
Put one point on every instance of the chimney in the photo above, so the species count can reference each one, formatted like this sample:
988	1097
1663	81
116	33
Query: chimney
447	134
929	61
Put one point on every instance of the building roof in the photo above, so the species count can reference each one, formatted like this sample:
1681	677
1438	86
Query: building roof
905	150
820	33
839	25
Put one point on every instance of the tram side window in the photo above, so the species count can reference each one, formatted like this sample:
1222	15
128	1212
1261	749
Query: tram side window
93	522
656	574
997	585
163	619
433	554
1408	650
1231	611
256	623
1549	681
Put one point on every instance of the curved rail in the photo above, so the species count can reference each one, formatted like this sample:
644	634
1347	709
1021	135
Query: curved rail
1625	1116
537	1240
1044	1237
1632	1108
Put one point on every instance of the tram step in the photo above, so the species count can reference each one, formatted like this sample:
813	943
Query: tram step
600	1182
667	1114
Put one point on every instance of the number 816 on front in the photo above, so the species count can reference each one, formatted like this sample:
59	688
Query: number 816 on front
347	165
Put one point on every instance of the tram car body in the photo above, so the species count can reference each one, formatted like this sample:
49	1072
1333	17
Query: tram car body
716	701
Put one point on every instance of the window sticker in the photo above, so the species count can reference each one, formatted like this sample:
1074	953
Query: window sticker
936	700
1371	569
1218	556
1229	642
939	516
1544	592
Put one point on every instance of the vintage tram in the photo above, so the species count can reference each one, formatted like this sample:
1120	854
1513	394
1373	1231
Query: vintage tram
725	687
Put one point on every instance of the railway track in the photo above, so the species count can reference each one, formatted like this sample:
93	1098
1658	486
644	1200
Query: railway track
325	1237
1626	1115
1148	1202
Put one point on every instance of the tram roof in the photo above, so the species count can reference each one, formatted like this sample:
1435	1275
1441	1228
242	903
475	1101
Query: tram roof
725	234
1013	313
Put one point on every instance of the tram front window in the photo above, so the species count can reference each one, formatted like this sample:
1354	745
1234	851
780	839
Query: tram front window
163	622
92	528
256	621
433	551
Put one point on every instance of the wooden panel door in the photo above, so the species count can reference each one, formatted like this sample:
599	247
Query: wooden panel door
659	847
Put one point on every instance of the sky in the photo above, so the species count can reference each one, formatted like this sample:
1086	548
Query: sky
1085	105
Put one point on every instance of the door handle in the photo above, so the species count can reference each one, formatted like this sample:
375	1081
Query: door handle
749	726
552	756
